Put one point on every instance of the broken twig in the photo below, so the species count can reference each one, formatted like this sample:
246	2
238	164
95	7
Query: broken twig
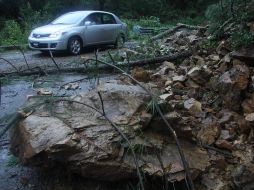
54	61
10	64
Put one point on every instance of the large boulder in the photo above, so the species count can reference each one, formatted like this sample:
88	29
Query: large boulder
82	140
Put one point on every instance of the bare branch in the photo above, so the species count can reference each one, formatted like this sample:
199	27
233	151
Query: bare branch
10	64
102	103
51	55
22	52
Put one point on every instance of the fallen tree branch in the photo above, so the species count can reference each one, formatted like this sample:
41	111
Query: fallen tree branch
40	71
223	25
225	153
175	29
85	69
54	61
22	52
10	64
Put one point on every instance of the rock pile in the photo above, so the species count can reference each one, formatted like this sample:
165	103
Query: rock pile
208	99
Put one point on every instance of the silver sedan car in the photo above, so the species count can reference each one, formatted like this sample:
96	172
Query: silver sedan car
75	30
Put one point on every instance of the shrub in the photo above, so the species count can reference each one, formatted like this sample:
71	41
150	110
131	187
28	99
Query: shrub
12	33
234	18
241	38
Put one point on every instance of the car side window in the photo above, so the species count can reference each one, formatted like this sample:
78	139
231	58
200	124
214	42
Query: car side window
95	19
108	19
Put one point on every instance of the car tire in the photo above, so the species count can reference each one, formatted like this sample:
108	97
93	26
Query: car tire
75	45
119	42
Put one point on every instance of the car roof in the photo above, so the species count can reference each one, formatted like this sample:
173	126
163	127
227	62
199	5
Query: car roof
89	12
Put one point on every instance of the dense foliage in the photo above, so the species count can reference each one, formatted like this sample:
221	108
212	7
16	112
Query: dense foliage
18	17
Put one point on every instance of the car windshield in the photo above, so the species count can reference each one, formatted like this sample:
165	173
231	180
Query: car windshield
70	18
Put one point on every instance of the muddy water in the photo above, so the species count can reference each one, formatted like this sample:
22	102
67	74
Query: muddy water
13	95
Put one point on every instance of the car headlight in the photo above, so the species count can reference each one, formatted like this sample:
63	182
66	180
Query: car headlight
55	34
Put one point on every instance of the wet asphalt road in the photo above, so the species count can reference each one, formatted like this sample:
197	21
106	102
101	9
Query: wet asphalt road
36	58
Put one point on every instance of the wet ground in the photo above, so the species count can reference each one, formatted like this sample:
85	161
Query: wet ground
14	94
37	58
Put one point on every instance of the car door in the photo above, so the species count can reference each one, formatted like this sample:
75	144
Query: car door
93	32
110	28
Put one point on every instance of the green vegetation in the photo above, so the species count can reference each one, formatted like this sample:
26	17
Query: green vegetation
241	38
12	160
19	17
228	20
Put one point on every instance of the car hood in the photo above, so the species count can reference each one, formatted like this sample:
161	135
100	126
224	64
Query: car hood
50	28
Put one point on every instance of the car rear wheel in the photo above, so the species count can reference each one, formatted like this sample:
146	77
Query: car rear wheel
74	46
119	42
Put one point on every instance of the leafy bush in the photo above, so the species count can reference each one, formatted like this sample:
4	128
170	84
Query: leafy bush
12	33
233	16
209	44
240	39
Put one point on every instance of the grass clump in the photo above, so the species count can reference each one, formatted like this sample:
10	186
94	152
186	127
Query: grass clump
12	160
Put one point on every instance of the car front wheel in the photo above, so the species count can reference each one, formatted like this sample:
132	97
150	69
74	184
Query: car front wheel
74	46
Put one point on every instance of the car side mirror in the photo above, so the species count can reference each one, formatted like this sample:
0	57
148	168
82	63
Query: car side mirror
88	23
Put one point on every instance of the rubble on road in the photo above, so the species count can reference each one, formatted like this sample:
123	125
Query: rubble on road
208	99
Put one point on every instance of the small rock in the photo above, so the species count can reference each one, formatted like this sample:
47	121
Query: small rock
198	60
193	106
244	54
71	86
214	183
163	71
166	97
243	177
191	83
140	74
170	65
250	117
227	116
248	104
180	78
225	135
199	75
173	116
224	144
44	92
208	134
227	58
192	39
214	57
168	83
